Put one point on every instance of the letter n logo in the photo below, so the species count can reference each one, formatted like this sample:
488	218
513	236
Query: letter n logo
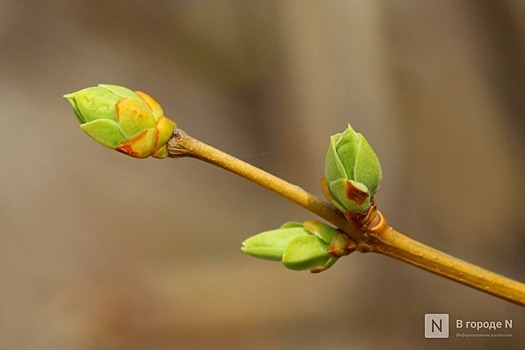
436	325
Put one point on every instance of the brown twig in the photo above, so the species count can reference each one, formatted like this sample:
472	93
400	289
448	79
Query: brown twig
378	237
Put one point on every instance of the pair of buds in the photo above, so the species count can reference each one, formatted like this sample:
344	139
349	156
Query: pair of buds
134	123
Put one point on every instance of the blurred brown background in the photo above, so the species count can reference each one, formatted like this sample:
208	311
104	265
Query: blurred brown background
102	251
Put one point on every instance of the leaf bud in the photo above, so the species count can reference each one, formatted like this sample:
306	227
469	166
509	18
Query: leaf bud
352	172
312	245
129	122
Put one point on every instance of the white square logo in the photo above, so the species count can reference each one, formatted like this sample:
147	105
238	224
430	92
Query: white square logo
436	325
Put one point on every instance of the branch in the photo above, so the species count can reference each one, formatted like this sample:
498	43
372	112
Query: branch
378	238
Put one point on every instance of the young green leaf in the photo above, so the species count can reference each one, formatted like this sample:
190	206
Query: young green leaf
270	245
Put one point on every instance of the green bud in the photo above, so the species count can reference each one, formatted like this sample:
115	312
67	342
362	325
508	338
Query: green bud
310	246
352	172
270	245
129	122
